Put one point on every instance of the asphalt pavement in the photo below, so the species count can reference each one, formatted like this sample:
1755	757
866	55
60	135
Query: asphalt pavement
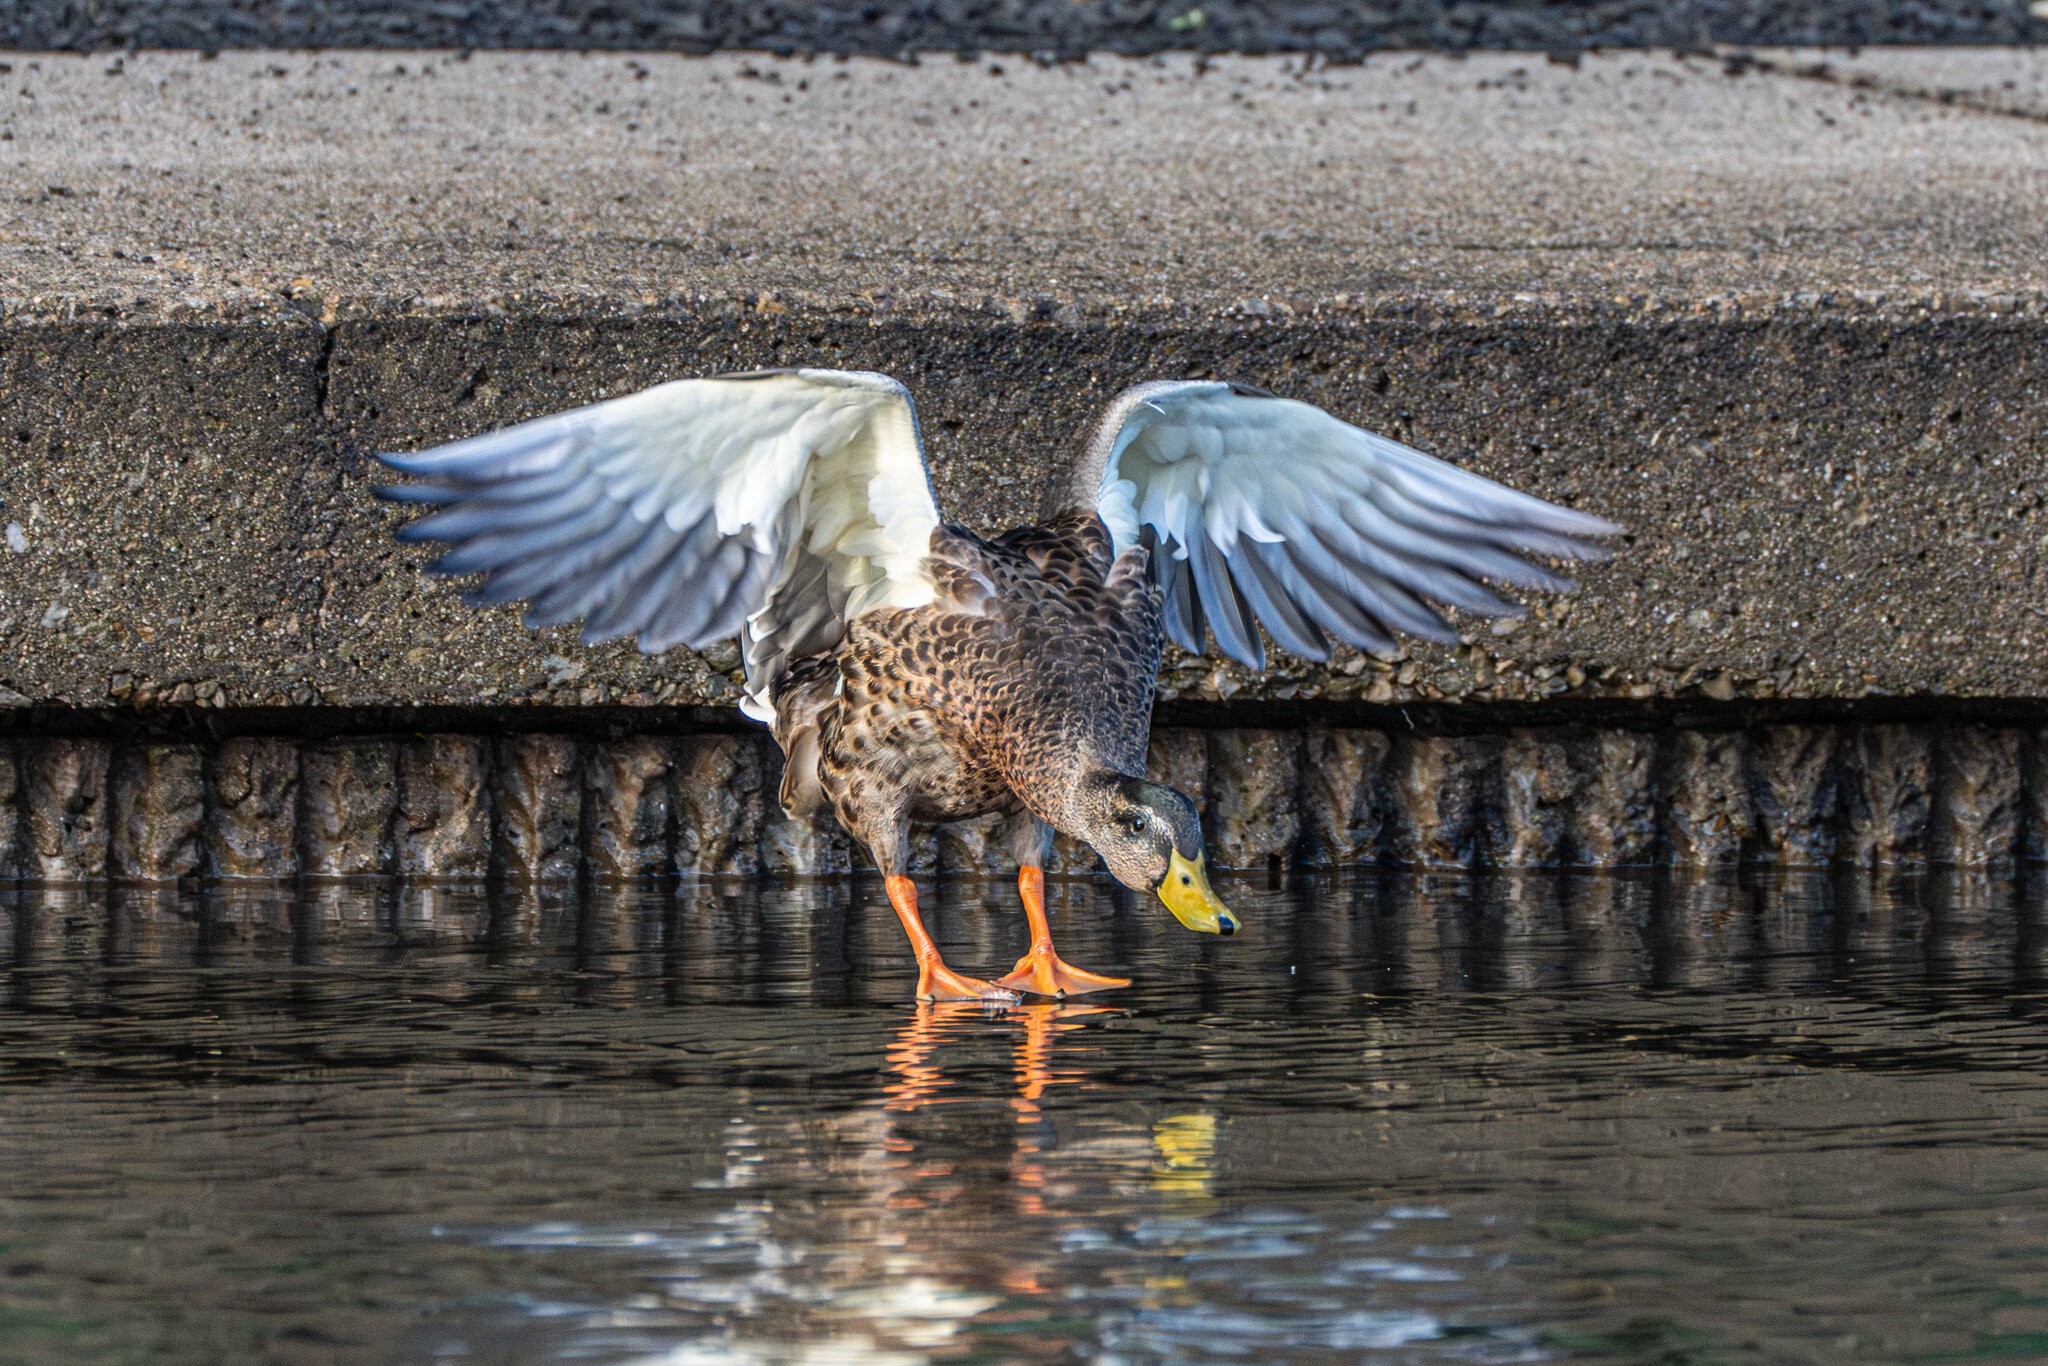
1049	28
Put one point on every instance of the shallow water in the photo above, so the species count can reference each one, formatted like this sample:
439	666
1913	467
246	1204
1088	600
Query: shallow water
1402	1118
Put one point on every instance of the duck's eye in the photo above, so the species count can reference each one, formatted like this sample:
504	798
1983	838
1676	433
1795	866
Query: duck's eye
1135	824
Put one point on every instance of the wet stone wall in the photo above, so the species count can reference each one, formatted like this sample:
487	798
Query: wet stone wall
539	807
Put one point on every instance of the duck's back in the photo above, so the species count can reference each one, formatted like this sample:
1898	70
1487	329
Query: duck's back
1037	649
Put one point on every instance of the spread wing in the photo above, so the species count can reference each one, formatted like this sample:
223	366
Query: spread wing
1259	509
776	506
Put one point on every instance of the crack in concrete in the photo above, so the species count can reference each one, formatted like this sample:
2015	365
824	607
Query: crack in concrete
1976	101
323	362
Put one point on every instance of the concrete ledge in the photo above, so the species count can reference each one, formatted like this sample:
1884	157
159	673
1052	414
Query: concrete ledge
1788	327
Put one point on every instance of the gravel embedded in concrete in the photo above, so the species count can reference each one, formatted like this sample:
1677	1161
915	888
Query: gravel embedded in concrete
380	181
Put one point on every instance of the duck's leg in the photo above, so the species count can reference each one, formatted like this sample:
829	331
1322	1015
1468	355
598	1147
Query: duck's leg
878	820
936	981
1042	970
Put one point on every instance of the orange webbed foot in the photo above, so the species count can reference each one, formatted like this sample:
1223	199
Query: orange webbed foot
1048	975
937	982
1042	970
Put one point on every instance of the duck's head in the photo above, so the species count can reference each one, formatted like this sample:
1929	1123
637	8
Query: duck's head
1151	838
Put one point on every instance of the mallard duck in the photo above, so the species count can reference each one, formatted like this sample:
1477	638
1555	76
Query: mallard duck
914	671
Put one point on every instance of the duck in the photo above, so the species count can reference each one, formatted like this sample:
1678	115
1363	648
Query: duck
915	671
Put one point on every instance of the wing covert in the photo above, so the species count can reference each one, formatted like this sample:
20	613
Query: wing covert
775	506
1260	510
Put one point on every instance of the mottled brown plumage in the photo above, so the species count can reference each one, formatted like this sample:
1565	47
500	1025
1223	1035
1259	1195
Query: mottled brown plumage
1030	672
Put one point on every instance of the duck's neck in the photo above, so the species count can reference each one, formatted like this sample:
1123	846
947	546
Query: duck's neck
1072	797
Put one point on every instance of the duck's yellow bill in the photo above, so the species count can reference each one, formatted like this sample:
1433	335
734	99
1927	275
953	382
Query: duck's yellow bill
1186	893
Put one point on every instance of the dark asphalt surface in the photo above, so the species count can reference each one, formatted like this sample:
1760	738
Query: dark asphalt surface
1055	28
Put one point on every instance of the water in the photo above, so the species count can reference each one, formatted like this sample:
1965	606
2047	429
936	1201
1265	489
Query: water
1403	1119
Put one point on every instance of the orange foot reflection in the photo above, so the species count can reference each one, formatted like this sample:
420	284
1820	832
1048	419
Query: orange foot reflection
916	1079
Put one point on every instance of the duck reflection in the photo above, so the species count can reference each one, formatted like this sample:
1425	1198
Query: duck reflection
948	1191
953	1200
1176	1154
961	1192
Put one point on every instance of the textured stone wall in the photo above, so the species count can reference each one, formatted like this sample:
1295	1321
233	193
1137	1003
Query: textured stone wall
224	552
538	808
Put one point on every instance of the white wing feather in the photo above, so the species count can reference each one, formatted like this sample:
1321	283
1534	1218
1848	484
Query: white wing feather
1262	510
777	506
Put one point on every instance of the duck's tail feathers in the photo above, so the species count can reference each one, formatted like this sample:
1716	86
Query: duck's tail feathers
801	698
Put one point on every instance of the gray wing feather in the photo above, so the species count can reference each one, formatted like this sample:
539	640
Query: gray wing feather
1276	607
1223	605
1260	509
1341	616
1184	624
773	505
685	617
646	586
600	576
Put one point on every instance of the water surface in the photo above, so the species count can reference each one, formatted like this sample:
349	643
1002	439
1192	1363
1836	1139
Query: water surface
1403	1118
